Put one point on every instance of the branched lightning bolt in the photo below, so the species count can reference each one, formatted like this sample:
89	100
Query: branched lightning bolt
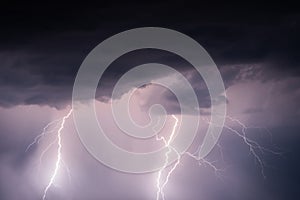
203	161
255	150
252	145
160	186
37	139
58	160
58	140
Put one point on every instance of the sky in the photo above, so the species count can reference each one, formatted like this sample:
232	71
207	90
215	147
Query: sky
254	46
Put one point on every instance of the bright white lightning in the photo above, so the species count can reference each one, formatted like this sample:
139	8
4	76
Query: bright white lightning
160	186
58	160
37	139
252	145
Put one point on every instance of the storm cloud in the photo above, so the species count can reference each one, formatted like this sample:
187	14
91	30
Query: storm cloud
40	55
254	45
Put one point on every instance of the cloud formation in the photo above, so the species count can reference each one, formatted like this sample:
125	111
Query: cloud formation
39	63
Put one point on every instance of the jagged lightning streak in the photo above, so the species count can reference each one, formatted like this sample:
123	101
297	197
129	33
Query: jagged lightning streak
37	139
58	160
160	187
252	145
59	124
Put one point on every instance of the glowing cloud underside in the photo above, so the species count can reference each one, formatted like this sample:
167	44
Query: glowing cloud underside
161	181
58	160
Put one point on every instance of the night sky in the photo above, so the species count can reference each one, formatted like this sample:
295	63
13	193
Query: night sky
254	45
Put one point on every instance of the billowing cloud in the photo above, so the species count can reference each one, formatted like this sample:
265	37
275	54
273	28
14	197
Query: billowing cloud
254	46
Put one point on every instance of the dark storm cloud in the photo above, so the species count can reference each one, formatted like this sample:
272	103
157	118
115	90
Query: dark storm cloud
42	47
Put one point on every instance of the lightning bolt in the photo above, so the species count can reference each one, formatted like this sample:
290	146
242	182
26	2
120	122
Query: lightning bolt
58	159
160	186
45	131
254	148
58	140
